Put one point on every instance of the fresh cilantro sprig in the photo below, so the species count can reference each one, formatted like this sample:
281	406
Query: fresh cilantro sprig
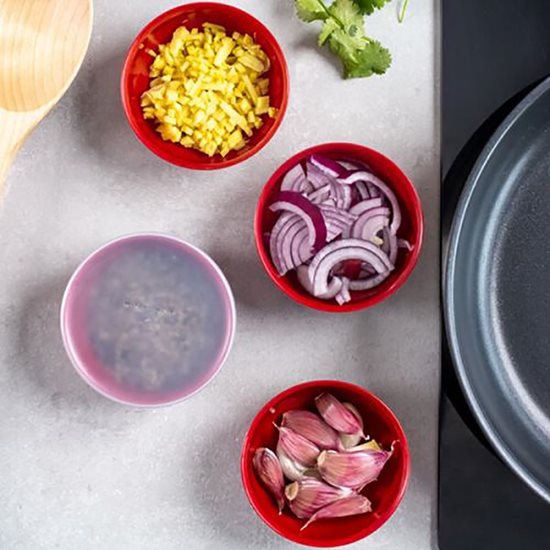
368	6
344	33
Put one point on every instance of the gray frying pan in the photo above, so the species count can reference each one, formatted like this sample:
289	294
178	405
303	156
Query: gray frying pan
496	287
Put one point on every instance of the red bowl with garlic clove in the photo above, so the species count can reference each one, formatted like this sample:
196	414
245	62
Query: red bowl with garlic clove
385	494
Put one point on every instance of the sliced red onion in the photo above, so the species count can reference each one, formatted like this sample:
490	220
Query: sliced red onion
389	246
319	195
329	202
369	282
292	201
317	177
334	199
331	212
343	295
366	271
290	243
300	251
363	189
403	243
285	222
336	221
340	251
377	182
373	190
366	204
334	285
329	166
295	180
351	165
342	195
370	223
363	206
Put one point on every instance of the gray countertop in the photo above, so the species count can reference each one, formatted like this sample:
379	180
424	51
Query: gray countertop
81	472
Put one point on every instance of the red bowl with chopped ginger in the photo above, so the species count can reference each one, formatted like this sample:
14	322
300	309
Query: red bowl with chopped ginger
385	494
412	226
135	80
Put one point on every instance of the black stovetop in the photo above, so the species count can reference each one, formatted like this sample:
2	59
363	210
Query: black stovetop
493	51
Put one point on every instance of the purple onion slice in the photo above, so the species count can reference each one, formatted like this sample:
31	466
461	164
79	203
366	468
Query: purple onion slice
317	178
295	180
294	202
370	223
369	282
377	182
340	251
333	288
330	166
343	295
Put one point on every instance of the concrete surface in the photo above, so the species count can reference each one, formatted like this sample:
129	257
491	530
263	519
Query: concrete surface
80	472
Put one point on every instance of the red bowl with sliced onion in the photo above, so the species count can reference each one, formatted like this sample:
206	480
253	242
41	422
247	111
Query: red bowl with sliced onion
339	227
384	494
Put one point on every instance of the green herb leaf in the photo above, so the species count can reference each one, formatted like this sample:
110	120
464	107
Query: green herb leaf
372	59
329	26
311	10
346	13
368	6
345	46
343	30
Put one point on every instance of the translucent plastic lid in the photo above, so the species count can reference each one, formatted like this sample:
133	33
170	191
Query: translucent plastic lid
148	319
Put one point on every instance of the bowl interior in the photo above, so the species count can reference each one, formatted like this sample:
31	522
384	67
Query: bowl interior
411	226
385	494
147	320
135	79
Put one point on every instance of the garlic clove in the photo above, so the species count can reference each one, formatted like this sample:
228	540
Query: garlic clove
370	445
312	427
312	472
352	469
306	496
351	440
347	506
269	470
336	415
292	470
298	448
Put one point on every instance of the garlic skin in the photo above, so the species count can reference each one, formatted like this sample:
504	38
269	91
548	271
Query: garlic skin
348	506
352	469
337	416
269	470
306	496
370	445
312	427
298	448
351	440
292	470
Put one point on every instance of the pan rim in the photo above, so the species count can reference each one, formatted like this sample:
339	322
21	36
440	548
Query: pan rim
491	433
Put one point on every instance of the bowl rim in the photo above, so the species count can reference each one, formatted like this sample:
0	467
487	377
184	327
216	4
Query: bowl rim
325	384
155	146
414	211
69	345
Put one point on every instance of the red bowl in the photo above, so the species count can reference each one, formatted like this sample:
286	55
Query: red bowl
412	227
385	494
135	80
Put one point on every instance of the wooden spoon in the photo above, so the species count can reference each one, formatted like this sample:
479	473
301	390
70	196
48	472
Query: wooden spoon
42	46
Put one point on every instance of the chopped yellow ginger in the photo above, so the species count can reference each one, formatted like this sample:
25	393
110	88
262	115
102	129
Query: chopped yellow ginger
207	91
